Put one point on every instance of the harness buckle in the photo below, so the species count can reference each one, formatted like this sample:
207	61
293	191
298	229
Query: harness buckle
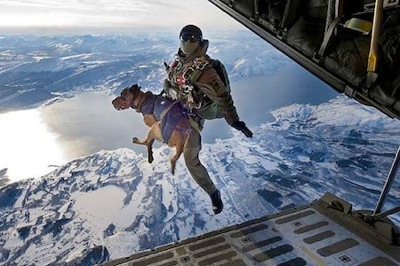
200	63
192	104
187	88
186	74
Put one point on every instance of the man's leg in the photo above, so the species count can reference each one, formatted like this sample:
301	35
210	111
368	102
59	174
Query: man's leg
199	172
196	169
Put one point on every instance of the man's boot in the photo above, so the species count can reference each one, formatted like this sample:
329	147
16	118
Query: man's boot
217	204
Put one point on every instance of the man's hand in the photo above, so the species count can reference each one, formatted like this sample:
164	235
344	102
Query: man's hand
240	125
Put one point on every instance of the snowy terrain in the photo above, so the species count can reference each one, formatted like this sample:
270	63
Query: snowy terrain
112	203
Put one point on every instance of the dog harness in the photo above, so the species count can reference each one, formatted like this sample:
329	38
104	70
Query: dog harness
169	112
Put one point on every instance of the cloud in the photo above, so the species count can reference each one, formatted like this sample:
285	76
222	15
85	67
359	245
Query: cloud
27	146
154	14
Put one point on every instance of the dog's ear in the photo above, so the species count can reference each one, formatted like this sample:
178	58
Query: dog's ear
135	87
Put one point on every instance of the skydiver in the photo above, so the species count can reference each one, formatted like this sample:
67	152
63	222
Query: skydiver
202	86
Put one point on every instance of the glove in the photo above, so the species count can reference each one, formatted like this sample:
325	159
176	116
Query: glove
240	125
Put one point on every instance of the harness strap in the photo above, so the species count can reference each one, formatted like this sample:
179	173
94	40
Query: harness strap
195	125
195	75
165	111
198	65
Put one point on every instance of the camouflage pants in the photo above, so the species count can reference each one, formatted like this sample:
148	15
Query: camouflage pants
196	169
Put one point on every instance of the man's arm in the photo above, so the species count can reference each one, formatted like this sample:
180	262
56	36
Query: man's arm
212	85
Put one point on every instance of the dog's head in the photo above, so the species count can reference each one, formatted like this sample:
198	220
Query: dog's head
126	98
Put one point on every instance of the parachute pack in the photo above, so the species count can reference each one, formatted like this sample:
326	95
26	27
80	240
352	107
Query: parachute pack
222	73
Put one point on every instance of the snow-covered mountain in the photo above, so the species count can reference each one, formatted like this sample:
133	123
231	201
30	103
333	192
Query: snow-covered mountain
112	203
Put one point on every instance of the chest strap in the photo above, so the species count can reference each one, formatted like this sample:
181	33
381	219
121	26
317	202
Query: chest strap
188	73
199	64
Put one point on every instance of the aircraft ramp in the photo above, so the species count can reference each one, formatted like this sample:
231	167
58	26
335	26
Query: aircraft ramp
326	232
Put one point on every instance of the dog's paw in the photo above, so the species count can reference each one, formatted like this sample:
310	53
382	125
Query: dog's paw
135	140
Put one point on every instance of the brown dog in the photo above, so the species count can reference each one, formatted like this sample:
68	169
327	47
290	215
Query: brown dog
167	120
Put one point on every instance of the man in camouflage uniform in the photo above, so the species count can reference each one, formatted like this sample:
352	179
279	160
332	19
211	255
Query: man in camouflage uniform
194	81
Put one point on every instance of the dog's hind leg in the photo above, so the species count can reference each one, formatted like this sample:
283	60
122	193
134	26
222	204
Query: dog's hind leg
150	151
175	158
178	142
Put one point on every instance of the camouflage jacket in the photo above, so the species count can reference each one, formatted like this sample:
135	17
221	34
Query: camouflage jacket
206	95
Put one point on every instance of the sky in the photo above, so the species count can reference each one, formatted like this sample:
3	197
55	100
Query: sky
79	15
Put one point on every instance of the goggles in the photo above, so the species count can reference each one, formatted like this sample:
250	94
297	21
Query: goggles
189	38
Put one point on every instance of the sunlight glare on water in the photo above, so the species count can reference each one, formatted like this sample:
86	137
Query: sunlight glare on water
28	148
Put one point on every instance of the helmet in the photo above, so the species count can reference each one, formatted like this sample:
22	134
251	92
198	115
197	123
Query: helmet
192	30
